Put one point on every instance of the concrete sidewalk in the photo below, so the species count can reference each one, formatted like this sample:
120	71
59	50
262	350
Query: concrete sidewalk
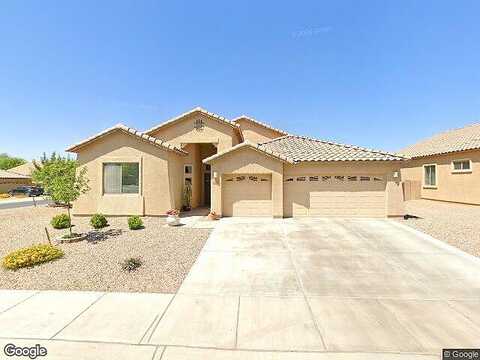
92	326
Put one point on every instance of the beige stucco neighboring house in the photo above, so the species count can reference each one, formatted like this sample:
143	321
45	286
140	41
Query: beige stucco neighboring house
242	167
10	180
445	167
26	169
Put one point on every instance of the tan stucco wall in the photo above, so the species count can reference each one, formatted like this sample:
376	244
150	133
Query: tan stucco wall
256	133
8	184
393	191
183	132
161	177
248	161
461	187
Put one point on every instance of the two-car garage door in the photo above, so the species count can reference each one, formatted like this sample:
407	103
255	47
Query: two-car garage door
341	196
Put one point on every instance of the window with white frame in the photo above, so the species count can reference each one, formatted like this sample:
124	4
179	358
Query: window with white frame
121	178
430	175
461	165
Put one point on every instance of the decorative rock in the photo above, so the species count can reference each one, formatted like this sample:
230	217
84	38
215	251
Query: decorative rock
62	240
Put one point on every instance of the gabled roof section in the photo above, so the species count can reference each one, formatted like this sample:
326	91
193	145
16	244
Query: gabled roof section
266	126
4	174
466	138
248	144
214	116
132	132
300	149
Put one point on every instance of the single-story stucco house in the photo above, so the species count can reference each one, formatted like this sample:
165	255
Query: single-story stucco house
10	180
239	167
26	169
445	166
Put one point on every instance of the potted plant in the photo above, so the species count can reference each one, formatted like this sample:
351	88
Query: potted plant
187	197
212	215
173	218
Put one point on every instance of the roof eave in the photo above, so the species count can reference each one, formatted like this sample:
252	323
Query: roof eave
262	124
252	146
129	131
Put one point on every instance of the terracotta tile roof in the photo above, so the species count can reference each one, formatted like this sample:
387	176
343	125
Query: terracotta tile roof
259	123
219	118
4	174
256	147
129	131
300	148
466	138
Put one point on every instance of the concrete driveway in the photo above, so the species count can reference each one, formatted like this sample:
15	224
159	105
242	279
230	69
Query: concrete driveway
274	289
335	285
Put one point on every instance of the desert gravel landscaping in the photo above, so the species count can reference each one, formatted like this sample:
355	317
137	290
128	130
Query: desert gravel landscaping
167	253
456	224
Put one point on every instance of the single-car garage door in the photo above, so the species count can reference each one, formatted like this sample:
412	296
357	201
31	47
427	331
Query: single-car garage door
341	196
247	195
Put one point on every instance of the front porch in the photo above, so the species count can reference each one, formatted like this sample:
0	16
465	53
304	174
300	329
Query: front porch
197	174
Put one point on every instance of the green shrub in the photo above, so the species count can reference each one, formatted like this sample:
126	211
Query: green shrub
135	223
61	221
31	256
98	221
131	264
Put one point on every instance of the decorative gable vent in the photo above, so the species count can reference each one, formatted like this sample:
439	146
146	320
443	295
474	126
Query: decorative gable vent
198	124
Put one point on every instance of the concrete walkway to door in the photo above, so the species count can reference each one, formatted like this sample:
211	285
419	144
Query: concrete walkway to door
274	289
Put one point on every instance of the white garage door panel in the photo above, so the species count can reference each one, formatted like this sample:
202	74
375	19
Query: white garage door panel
335	198
247	197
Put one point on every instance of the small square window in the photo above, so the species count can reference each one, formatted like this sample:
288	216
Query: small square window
313	178
188	181
352	178
340	178
287	179
326	178
364	178
188	169
253	178
240	178
301	178
461	165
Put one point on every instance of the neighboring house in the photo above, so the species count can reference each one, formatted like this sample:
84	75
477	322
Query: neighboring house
446	166
237	168
26	169
10	180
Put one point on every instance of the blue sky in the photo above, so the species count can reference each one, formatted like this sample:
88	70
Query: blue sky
379	74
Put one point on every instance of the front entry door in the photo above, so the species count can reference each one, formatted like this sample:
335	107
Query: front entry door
207	187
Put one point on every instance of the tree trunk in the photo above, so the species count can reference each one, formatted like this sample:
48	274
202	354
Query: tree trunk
70	218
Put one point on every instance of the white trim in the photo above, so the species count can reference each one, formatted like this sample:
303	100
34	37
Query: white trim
461	171
425	186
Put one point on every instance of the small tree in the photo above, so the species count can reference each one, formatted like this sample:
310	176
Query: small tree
62	181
